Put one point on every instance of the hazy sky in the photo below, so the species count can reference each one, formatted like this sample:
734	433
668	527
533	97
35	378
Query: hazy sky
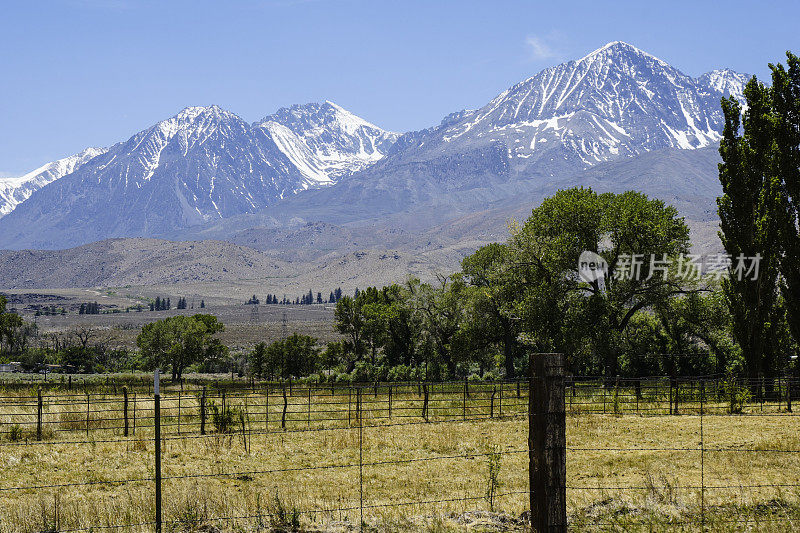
77	73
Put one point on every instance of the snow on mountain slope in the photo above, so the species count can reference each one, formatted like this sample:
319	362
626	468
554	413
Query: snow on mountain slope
326	141
616	101
14	191
725	81
202	164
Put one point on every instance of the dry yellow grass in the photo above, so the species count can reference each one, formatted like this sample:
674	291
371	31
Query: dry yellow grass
260	475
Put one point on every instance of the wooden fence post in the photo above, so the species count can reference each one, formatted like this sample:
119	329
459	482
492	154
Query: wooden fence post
87	413
390	401
547	444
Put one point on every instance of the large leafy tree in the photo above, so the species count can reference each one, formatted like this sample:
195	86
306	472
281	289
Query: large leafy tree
558	309
489	299
180	341
14	332
294	356
752	214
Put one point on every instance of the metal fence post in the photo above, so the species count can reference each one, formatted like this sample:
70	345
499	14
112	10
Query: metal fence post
125	409
39	414
547	444
157	417
425	402
360	461
702	459
203	412
464	410
285	406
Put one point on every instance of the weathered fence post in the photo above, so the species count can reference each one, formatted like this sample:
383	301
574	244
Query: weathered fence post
87	413
309	406
39	414
390	401
491	402
157	422
125	409
547	444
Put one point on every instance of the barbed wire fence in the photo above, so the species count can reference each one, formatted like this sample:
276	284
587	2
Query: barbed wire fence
704	404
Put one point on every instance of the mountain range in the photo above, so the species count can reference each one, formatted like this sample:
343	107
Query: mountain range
616	118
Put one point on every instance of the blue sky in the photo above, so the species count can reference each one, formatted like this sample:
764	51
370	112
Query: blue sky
77	73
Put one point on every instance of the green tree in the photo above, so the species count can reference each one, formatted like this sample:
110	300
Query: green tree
294	356
751	210
489	298
179	341
14	332
554	304
350	322
786	108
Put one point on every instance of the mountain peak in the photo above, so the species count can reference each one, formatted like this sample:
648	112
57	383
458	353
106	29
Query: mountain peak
191	113
616	49
727	81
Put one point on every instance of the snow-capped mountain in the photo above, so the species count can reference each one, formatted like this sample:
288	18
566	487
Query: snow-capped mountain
202	164
14	191
725	81
617	101
325	141
206	164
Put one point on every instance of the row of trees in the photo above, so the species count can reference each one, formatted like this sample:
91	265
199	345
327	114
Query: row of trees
164	304
525	295
306	299
89	309
759	210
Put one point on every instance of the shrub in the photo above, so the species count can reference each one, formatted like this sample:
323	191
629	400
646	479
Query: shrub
737	396
15	433
224	420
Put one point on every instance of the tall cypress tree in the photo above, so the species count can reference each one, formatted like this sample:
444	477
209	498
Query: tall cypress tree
786	106
750	219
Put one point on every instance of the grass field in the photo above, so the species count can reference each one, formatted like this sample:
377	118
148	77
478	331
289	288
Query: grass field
624	471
